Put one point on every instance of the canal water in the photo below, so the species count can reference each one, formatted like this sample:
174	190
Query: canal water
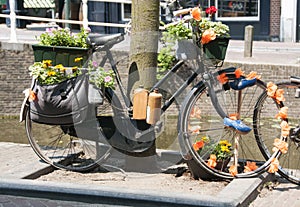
14	131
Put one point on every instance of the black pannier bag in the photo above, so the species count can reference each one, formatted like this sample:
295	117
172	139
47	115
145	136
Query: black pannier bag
64	103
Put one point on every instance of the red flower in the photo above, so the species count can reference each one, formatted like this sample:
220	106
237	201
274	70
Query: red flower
211	10
198	145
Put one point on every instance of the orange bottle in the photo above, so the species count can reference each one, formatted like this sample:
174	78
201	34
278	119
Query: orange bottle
140	99
154	107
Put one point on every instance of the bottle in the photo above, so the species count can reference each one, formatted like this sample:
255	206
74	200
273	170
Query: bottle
154	107
140	100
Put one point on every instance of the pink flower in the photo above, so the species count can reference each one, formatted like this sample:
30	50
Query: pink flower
95	64
107	79
50	30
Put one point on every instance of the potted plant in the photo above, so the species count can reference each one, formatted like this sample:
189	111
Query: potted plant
47	74
218	154
213	37
62	95
61	46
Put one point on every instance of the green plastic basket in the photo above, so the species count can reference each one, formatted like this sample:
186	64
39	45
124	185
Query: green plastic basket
216	49
60	55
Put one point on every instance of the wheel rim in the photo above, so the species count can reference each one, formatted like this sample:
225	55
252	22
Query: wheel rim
62	147
266	124
211	125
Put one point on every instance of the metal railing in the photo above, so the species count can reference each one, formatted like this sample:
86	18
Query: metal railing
12	16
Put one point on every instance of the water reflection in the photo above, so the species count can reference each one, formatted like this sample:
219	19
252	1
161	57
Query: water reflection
14	131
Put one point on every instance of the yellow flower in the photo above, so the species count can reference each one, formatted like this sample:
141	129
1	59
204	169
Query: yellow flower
47	63
78	59
51	73
224	142
60	67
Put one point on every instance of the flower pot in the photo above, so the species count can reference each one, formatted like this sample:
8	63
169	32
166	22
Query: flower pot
216	49
222	164
60	55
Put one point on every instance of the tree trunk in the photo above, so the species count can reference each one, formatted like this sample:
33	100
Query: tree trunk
144	44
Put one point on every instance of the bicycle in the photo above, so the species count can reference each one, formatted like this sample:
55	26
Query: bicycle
111	125
264	124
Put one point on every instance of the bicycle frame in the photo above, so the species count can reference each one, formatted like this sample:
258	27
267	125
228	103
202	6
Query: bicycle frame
207	78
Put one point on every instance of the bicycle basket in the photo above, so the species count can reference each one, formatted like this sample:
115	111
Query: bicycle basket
214	52
63	103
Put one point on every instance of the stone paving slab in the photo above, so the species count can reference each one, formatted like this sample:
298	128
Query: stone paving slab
19	160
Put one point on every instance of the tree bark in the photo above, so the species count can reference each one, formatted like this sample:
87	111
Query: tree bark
144	43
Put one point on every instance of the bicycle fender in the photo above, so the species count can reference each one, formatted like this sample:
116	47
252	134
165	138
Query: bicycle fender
23	108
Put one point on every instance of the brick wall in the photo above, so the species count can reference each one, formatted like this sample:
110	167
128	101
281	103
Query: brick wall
14	75
275	7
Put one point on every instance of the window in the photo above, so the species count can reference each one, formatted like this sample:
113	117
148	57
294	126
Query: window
126	12
247	10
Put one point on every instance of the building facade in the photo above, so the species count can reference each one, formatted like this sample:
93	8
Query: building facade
273	20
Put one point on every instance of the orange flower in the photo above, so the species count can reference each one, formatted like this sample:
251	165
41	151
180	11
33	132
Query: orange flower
207	36
280	145
198	145
238	72
274	166
250	166
233	116
196	13
271	89
233	170
285	129
195	113
282	113
212	162
222	78
252	75
32	95
195	129
279	95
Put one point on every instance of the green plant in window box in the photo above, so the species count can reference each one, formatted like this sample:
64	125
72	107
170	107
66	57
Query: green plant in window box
166	56
61	46
213	37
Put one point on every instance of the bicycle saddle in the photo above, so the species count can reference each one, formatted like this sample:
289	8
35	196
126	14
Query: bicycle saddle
295	79
104	39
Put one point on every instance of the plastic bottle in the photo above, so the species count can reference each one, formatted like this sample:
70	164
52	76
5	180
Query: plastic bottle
140	100
154	107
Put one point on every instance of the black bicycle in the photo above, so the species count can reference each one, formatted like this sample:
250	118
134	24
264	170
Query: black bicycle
217	107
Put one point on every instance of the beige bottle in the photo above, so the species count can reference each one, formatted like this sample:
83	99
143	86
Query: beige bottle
140	100
154	107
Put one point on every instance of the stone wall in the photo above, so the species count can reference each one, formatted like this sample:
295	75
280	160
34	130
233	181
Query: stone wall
16	57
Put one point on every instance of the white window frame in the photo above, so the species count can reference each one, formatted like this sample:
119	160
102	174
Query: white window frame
122	12
249	18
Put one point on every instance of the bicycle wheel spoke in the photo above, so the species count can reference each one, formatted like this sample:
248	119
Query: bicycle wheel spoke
248	160
268	128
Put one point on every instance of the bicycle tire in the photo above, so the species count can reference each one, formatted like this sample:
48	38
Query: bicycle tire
78	147
289	162
211	125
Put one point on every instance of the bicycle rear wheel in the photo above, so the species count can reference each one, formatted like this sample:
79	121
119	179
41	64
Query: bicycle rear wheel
78	147
199	121
267	128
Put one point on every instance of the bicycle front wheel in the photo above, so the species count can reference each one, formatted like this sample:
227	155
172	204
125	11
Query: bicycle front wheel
267	128
200	124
